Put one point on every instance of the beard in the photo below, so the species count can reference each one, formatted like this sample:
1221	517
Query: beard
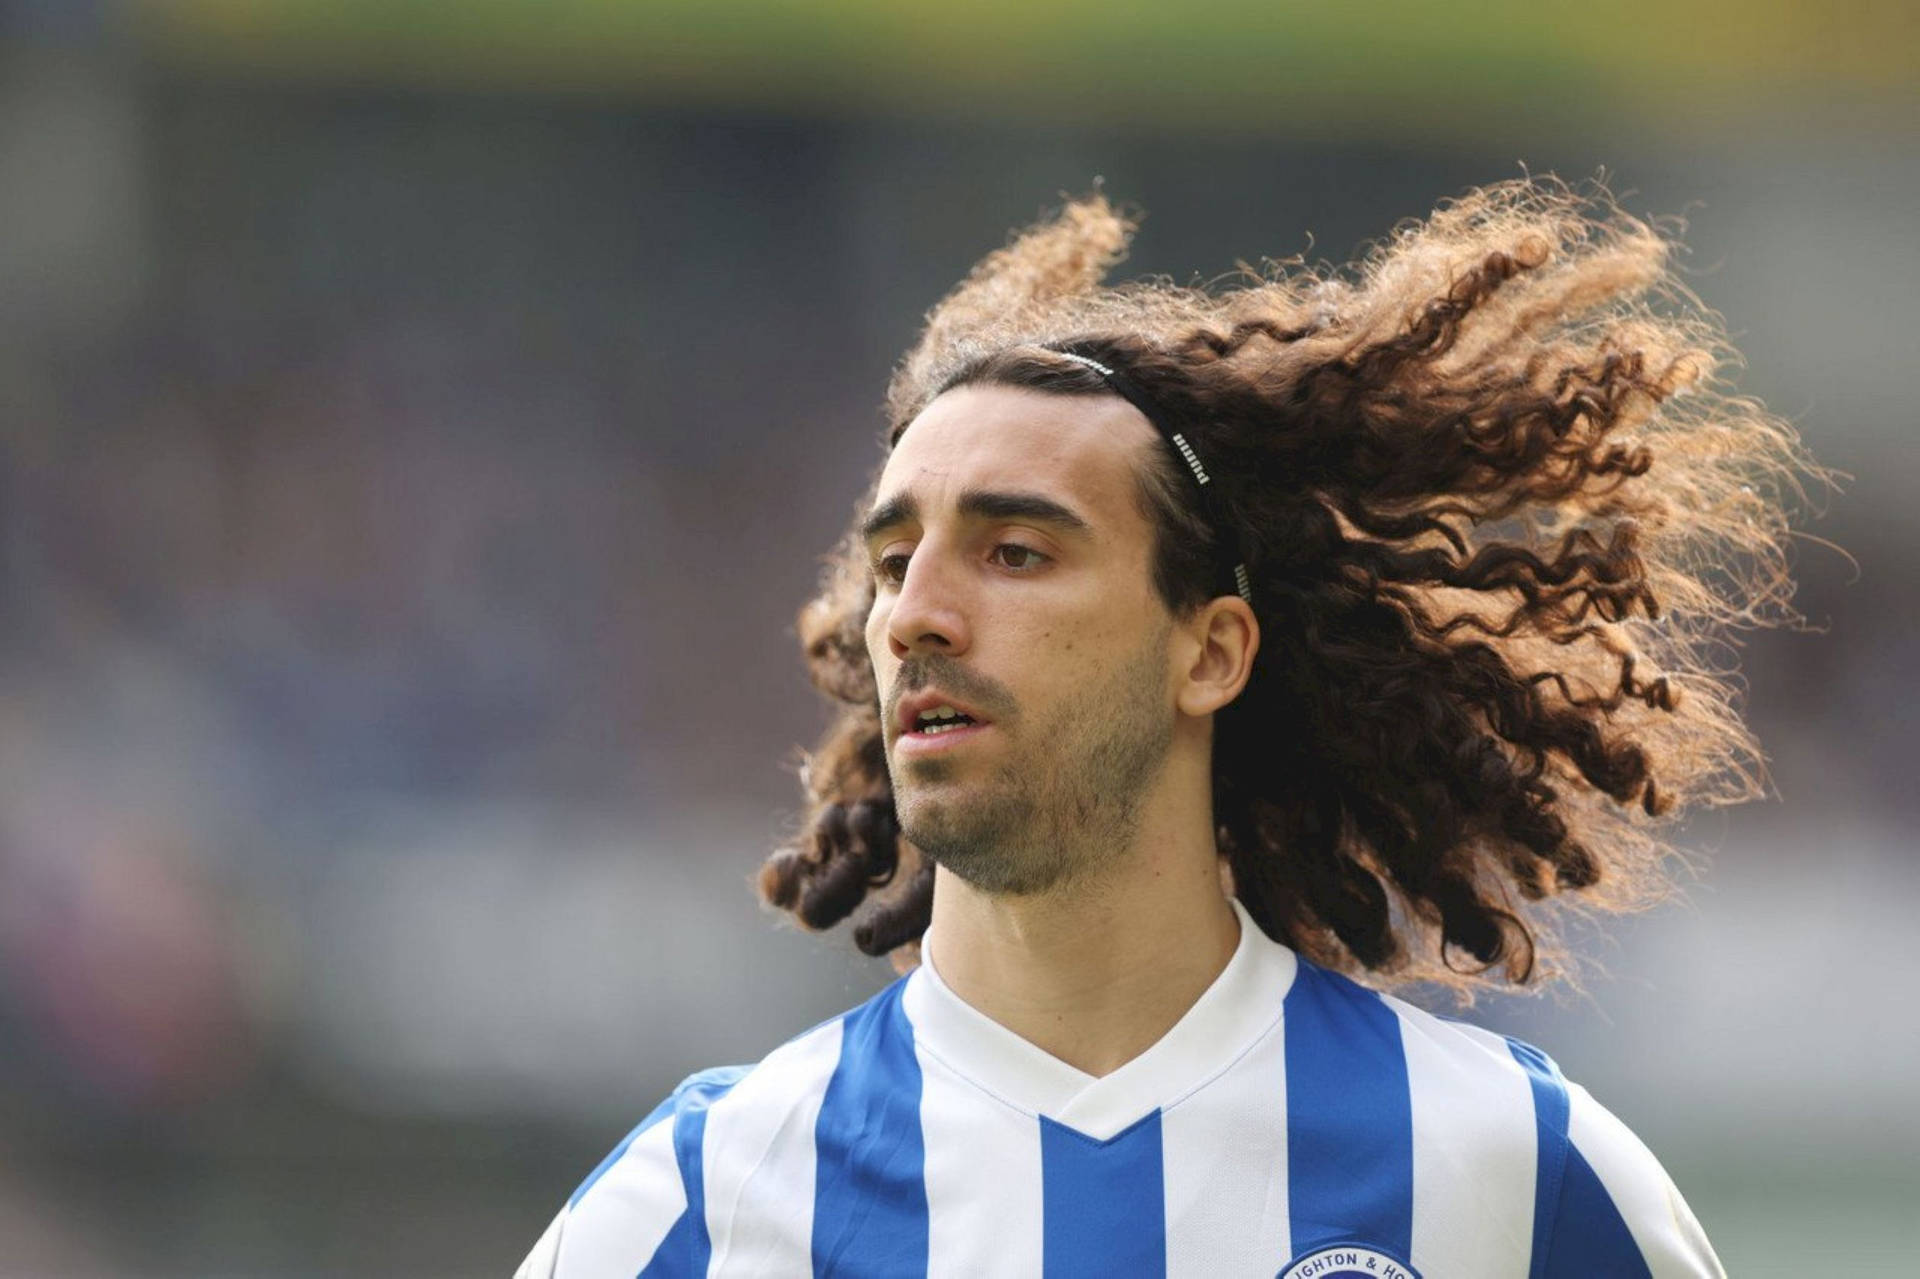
1066	803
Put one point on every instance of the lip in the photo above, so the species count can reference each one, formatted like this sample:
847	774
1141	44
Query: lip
907	714
918	744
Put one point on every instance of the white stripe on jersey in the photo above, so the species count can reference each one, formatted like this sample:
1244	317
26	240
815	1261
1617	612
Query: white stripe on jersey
969	1136
1669	1238
1226	1178
1475	1149
759	1160
622	1218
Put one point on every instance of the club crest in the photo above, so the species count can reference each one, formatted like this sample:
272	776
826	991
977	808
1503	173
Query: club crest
1347	1261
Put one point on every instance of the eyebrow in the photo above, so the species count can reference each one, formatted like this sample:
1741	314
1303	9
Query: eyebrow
979	504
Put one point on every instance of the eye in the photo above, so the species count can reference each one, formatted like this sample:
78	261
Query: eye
891	569
1021	559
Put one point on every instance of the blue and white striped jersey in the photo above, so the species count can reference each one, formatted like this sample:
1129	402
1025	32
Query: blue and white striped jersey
1291	1124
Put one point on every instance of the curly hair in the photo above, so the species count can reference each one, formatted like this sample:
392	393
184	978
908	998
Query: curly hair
1501	516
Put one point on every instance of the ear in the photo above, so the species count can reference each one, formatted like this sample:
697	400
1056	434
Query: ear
1222	638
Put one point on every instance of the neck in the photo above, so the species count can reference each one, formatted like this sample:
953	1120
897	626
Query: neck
1095	973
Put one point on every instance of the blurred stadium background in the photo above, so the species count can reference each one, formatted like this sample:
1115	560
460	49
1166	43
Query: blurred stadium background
418	424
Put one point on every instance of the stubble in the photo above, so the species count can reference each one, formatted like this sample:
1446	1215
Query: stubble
1066	802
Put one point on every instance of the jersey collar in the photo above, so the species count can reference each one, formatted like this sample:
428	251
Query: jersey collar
1241	1006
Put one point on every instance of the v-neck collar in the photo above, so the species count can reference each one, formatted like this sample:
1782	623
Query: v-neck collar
1241	1005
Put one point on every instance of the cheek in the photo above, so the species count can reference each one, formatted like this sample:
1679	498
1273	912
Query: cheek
879	654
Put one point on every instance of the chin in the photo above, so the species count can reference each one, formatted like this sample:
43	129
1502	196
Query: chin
917	811
929	822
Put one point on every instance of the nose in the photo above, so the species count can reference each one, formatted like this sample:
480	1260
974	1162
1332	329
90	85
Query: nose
929	613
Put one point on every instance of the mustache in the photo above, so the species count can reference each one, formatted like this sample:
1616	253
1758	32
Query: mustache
985	695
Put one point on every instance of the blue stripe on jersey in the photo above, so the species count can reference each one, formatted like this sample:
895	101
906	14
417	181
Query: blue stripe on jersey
1577	1230
1103	1203
870	1191
687	1247
1349	1117
1590	1237
1550	1112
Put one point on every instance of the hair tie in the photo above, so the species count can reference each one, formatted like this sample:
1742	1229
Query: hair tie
1127	389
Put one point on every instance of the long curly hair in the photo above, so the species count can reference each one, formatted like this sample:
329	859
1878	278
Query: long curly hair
1501	516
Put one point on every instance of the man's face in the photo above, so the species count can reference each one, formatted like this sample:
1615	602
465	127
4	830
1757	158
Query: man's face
1013	584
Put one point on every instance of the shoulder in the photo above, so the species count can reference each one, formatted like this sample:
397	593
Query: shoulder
1615	1194
1492	1119
760	1095
1344	1028
1602	1201
794	1075
645	1199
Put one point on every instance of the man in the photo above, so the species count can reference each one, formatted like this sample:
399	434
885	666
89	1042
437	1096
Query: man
1192	647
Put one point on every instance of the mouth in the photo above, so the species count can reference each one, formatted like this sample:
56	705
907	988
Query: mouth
938	736
933	721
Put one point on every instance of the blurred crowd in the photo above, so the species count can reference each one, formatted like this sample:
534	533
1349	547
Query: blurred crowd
404	500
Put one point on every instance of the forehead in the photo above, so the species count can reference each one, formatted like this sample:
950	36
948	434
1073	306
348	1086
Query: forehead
1082	450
